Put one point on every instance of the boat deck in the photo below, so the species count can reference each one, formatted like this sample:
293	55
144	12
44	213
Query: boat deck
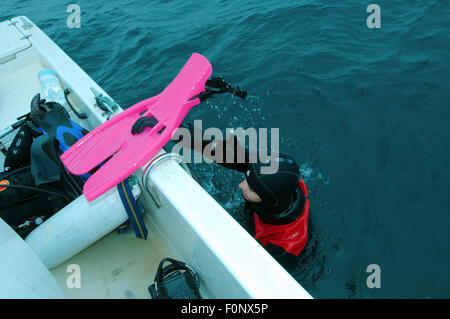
117	266
16	91
187	224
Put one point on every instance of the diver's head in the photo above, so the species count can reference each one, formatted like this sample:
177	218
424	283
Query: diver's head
274	190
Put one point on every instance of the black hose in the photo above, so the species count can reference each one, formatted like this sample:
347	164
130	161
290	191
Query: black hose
34	189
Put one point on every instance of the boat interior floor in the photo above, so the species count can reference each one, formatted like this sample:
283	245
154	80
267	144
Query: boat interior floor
16	91
118	266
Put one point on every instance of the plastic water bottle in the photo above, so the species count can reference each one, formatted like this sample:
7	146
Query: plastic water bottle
51	88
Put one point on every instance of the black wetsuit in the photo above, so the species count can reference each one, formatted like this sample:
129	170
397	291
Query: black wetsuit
286	211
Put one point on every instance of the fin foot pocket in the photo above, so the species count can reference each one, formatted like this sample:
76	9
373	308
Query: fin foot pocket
142	123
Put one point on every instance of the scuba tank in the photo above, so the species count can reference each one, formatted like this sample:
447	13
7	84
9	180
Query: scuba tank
77	226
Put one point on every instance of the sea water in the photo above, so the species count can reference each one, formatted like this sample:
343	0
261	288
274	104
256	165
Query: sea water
364	111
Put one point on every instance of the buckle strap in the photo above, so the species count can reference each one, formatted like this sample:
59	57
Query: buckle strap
133	210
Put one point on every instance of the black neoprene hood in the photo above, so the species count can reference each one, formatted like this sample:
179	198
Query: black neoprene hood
276	189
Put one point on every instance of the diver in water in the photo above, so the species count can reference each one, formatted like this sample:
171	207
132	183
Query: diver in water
277	204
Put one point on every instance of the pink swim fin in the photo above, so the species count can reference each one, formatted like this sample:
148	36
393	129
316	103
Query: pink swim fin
128	151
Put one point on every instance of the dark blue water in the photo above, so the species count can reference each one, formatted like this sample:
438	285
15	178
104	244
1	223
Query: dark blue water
366	112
